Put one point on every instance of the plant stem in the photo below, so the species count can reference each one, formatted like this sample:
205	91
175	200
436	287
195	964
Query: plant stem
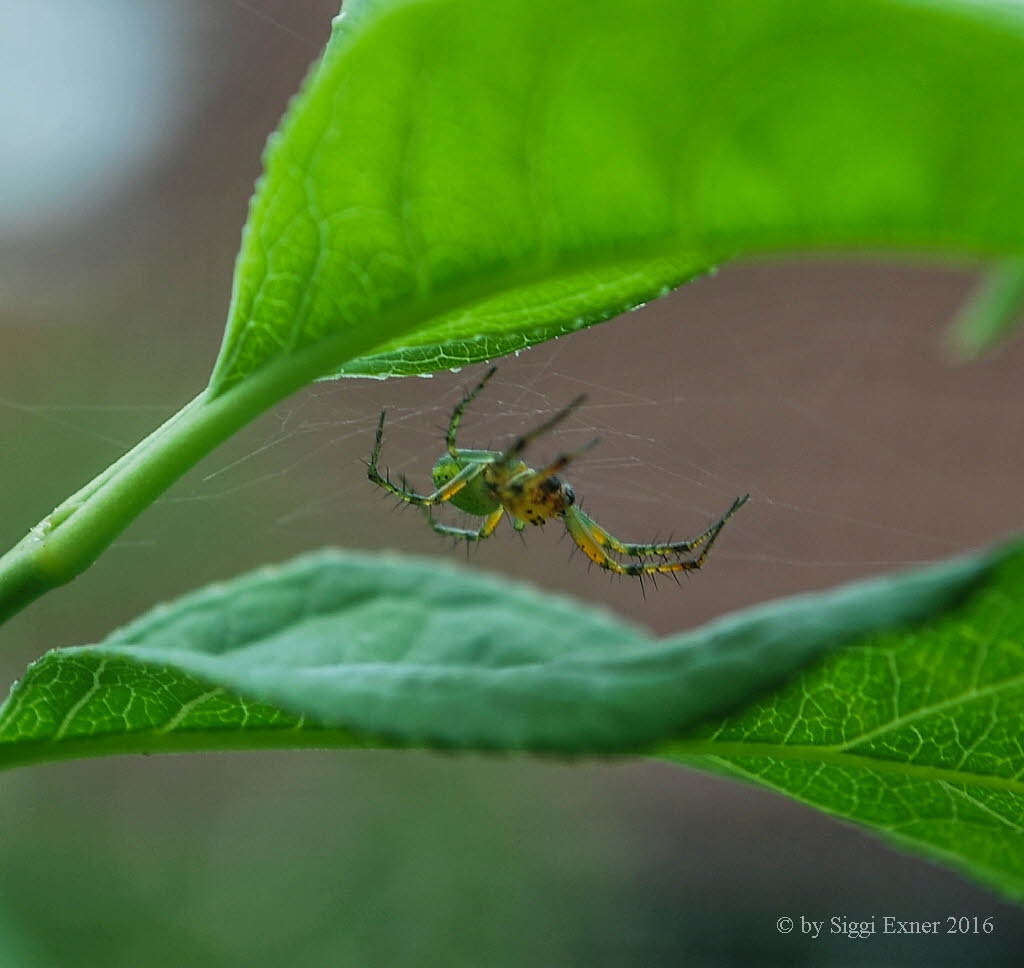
73	535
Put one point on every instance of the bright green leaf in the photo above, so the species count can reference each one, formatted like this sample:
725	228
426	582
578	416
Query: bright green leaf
919	735
518	319
458	179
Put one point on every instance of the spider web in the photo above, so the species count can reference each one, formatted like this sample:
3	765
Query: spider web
819	389
862	449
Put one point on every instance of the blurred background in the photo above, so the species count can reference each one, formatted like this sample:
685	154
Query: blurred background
132	131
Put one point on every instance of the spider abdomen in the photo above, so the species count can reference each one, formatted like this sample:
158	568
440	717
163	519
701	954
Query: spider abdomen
475	498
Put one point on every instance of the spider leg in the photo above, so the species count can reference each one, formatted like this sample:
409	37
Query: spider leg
460	408
521	443
525	478
593	540
659	549
440	496
563	459
468	534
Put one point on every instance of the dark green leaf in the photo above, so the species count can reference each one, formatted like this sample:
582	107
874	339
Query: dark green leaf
919	735
419	653
911	726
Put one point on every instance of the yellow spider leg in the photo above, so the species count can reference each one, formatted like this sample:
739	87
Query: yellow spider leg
468	534
654	549
440	496
582	530
453	424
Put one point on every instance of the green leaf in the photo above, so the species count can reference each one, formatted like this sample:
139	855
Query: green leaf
423	654
918	735
459	179
516	320
993	311
911	725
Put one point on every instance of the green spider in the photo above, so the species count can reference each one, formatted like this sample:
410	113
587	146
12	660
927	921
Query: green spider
491	484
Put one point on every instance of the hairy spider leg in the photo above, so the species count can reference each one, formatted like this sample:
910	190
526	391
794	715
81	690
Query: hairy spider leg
460	409
581	529
444	493
657	549
468	534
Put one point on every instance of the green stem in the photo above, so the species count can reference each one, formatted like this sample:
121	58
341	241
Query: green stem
74	534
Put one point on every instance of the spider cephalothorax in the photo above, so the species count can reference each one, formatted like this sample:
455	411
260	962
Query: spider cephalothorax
492	483
527	497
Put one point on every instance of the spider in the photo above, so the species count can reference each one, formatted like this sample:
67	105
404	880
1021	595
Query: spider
492	483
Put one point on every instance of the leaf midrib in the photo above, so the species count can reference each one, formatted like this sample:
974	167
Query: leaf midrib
835	756
304	736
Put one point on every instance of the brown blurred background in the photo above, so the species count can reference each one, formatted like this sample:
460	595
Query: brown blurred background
132	134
